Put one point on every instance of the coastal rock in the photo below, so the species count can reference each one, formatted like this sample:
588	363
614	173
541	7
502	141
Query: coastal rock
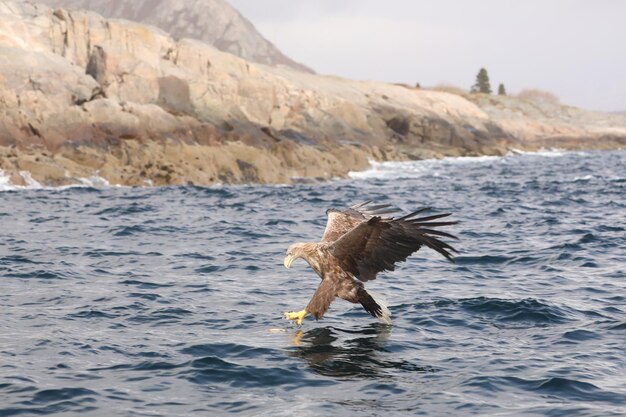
212	21
93	96
138	163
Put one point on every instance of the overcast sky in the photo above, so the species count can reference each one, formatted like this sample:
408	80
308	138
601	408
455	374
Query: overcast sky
573	48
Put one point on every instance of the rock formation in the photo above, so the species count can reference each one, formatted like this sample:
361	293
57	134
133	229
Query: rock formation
212	21
82	95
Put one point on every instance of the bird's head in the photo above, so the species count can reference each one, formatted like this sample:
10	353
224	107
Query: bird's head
295	251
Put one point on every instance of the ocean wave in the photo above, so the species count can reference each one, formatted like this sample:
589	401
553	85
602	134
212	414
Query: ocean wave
428	167
6	185
557	387
42	274
95	181
235	350
54	401
210	370
547	152
528	311
415	169
180	313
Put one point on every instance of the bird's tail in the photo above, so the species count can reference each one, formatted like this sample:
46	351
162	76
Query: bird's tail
376	305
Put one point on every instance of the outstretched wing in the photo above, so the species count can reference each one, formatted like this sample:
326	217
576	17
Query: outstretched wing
377	245
341	222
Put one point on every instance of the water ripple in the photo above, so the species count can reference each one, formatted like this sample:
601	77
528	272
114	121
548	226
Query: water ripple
168	301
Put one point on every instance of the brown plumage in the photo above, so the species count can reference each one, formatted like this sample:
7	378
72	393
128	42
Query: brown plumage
357	244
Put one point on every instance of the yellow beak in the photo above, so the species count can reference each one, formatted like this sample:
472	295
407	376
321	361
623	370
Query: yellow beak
288	260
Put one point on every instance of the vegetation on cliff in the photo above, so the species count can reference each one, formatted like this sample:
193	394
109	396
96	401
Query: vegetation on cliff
482	84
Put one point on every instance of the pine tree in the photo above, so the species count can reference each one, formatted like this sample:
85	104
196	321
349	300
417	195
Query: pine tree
482	83
501	90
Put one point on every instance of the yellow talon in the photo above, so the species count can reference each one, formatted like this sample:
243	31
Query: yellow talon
296	317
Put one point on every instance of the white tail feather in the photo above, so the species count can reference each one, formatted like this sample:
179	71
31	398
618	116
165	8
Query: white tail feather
385	317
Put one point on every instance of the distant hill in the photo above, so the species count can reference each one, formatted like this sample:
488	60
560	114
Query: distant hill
211	21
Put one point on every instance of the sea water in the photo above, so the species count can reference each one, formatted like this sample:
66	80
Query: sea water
168	301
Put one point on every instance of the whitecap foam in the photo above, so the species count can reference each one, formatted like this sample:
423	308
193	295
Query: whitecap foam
6	185
547	152
428	167
5	181
30	181
95	181
416	169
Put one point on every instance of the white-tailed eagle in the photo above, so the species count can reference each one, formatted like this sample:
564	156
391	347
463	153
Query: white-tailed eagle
357	244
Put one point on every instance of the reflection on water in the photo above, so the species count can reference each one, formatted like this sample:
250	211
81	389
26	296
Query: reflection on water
348	354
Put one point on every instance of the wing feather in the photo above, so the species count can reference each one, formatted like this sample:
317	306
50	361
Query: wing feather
341	222
361	204
378	244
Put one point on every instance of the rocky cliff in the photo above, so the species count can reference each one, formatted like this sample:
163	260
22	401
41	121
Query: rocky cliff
212	21
83	95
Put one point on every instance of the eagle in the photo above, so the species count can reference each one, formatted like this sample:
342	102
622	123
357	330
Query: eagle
358	243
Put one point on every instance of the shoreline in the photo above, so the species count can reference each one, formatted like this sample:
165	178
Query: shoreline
81	95
97	181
